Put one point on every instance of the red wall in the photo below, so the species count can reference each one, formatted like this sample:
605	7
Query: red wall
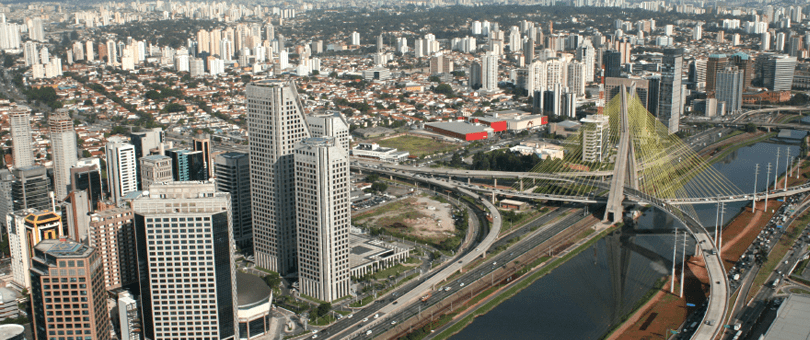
498	126
476	136
544	120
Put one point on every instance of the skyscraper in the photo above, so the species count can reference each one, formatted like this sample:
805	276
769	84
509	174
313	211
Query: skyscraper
28	227
87	177
37	32
187	165
31	188
197	215
489	72
233	176
112	233
22	143
323	217
612	61
121	168
669	103
62	268
730	82
202	143
715	63
331	125
276	123
155	169
595	137
586	53
63	151
778	72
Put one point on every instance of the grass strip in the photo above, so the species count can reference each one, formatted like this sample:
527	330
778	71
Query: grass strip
639	304
458	326
728	150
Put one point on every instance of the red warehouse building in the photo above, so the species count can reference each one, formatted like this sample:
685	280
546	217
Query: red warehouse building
497	124
460	130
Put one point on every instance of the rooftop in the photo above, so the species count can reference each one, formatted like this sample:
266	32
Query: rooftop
791	320
250	289
11	331
458	127
63	248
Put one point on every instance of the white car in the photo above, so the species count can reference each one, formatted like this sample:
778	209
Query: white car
376	315
365	319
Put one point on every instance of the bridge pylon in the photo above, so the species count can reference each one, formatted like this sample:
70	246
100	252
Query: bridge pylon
625	170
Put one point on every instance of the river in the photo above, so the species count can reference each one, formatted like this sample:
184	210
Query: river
585	296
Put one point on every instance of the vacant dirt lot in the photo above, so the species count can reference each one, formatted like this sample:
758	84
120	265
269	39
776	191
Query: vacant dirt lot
421	216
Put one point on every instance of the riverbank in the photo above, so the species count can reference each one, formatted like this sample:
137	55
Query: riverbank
533	274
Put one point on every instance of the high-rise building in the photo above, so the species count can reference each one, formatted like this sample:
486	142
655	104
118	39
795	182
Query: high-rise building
37	32
354	38
697	74
61	271
669	102
146	141
9	36
27	228
121	168
746	64
276	123
63	151
586	53
22	144
197	215
614	85
441	64
233	176
202	143
6	200
730	82
129	316
576	78
75	210
331	125
187	165
489	72
323	210
595	137
475	75
113	235
380	44
31	188
88	177
612	61
778	72
715	63
155	169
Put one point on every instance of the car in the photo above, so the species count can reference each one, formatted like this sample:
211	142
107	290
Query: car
364	319
446	289
462	284
368	332
315	336
395	302
350	316
377	315
394	322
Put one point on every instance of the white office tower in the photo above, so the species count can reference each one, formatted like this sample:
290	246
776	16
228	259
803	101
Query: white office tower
355	38
89	51
595	137
181	63
216	66
122	171
476	27
735	39
9	36
22	149
586	53
489	72
63	151
78	50
323	217
185	246
780	42
112	53
128	316
30	53
419	48
576	78
283	60
697	32
270	32
402	45
332	125
196	67
730	82
515	42
765	41
226	49
36	31
276	123
668	30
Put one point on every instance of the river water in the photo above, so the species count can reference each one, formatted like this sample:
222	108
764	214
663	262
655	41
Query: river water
588	294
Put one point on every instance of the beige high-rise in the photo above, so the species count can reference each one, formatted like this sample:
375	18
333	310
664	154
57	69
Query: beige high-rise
63	151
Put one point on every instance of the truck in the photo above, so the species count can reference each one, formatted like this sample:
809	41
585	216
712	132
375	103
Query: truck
426	297
775	283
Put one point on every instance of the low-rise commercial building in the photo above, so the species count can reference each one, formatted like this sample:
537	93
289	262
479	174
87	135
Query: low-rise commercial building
460	130
375	151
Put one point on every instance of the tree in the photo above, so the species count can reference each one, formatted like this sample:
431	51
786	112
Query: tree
324	308
88	102
273	280
434	79
750	127
379	186
86	154
444	89
373	178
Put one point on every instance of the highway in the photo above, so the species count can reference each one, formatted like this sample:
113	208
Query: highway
347	327
463	282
